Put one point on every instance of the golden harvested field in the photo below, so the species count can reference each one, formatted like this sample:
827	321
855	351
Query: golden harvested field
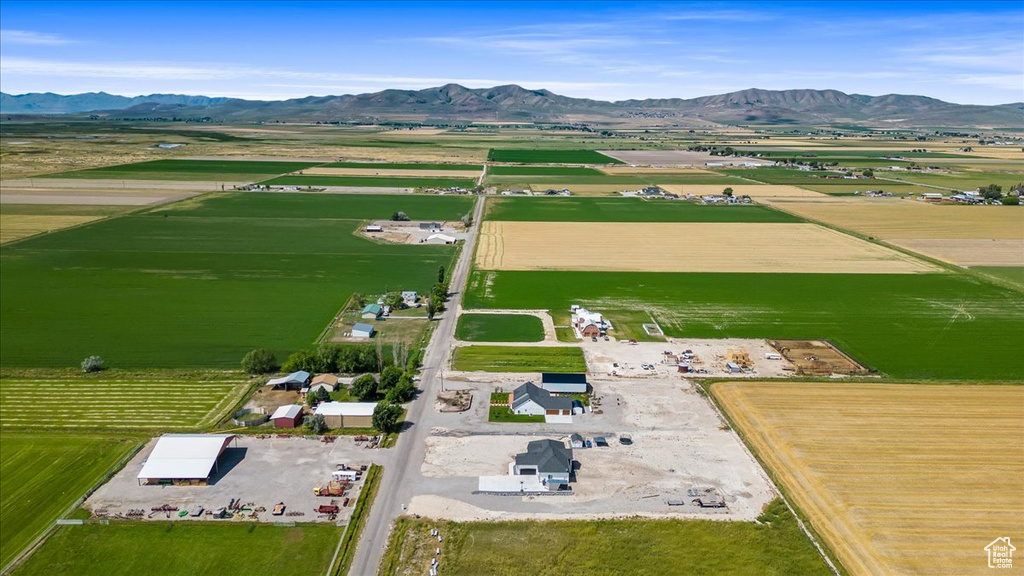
972	252
684	247
15	226
389	172
897	478
586	189
893	218
755	191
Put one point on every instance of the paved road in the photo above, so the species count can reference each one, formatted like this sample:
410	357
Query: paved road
396	487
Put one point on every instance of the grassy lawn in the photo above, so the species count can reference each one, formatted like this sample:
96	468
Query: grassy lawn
499	328
905	325
136	403
372	181
607	547
565	334
186	549
201	283
519	359
503	414
550	156
591	209
629	325
43	474
189	170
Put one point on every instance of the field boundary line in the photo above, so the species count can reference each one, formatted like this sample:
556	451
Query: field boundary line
49	530
826	553
334	320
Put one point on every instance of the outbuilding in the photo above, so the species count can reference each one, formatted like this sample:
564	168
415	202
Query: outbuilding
564	383
287	416
372	311
362	330
329	382
576	441
295	380
441	239
184	459
347	414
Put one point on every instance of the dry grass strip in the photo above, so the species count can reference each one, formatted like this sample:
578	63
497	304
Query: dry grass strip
897	478
15	226
684	247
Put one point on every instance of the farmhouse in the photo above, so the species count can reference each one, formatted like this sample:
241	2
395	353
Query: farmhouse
588	324
362	330
431	226
184	459
549	460
409	297
347	414
295	380
329	382
535	401
574	383
287	416
372	311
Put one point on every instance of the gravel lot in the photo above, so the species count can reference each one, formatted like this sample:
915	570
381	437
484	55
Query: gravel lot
262	472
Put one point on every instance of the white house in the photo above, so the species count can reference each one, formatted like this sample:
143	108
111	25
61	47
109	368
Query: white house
582	320
535	401
409	297
548	460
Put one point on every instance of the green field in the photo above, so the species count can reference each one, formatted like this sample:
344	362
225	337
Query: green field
499	328
42	475
550	156
776	546
543	171
201	286
519	359
591	209
186	549
960	180
503	414
188	170
1012	274
116	404
905	325
372	182
404	166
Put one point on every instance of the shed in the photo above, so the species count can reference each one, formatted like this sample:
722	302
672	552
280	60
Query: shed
184	459
294	380
565	383
733	367
374	228
372	311
362	330
347	414
287	416
441	239
576	441
430	226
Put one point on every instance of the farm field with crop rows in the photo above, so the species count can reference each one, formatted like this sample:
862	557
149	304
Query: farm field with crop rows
550	156
44	474
575	209
518	359
188	170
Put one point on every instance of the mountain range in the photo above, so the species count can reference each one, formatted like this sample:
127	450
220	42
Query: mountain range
453	102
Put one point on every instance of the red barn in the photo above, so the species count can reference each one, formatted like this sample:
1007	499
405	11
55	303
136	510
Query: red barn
289	416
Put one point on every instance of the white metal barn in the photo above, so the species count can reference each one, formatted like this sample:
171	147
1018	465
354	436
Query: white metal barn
184	459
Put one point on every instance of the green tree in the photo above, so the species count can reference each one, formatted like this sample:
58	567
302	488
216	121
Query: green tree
393	299
727	192
259	361
389	377
92	364
327	356
991	192
317	397
300	360
1011	200
316	424
403	391
399	217
440	274
365	387
868	173
385	417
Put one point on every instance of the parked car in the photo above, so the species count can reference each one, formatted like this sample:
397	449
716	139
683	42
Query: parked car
625	439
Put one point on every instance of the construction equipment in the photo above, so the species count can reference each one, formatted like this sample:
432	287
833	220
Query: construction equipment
333	488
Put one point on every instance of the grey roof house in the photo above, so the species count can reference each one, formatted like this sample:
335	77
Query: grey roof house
549	460
531	399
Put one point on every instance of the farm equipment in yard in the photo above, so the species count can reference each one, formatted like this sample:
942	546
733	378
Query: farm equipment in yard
332	488
706	497
328	509
278	509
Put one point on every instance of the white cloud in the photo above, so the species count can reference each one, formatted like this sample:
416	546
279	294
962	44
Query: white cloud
32	38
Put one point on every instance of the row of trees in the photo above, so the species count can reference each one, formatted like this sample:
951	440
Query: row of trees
326	357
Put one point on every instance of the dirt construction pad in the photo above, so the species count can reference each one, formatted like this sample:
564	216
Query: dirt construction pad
684	247
897	478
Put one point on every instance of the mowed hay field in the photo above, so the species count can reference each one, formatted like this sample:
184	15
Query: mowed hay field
186	549
17	226
42	475
499	328
897	478
202	282
684	247
620	209
123	404
438	173
965	235
519	359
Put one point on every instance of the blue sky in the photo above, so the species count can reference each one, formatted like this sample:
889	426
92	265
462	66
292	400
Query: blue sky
966	52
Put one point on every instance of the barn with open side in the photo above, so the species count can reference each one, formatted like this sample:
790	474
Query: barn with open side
184	459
